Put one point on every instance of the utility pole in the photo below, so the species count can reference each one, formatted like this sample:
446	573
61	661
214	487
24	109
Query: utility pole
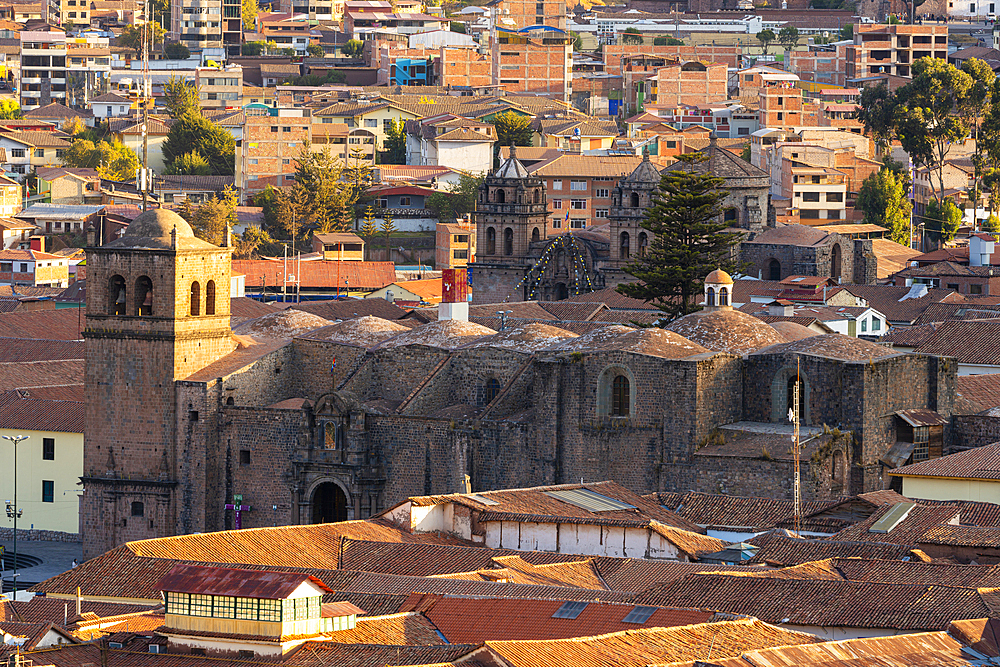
13	512
795	417
146	95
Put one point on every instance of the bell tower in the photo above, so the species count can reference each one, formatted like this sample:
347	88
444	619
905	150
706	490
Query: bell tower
157	311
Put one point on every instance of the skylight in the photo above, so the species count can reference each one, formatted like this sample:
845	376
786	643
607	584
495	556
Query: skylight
639	615
892	518
570	610
589	500
481	499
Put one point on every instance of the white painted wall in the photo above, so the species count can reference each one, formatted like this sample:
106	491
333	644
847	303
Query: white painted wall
474	157
580	539
931	488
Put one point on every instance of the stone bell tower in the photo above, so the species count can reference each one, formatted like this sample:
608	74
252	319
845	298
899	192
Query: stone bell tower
157	311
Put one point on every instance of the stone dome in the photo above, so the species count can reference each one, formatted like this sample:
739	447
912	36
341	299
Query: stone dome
361	331
793	330
529	337
287	323
719	277
726	331
154	229
445	334
834	346
649	341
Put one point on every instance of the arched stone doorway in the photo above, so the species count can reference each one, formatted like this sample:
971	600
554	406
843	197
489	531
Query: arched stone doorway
329	503
562	291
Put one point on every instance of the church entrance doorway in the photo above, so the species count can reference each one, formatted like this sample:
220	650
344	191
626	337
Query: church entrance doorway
329	504
562	292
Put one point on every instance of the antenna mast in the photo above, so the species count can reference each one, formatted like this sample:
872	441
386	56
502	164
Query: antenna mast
147	31
795	448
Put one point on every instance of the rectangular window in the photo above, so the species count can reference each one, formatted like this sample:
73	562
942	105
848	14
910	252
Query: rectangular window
556	223
810	196
462	254
557	185
274	129
557	203
285	128
48	449
876	324
48	490
835	196
578	186
387	122
601	213
921	436
460	238
578	204
809	214
225	607
864	326
6	267
201	605
953	286
178	603
371	122
24	268
671	144
244	457
246	609
975	289
602	193
404	201
578	223
270	610
18	152
328	120
815	179
39	152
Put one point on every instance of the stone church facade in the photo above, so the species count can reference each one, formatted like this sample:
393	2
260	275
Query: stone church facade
344	421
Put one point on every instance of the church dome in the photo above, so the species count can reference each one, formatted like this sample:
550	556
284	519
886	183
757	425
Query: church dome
793	330
363	331
288	323
834	346
154	229
730	331
511	167
529	337
719	277
649	341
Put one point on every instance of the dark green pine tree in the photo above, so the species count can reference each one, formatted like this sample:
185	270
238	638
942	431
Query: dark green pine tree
690	239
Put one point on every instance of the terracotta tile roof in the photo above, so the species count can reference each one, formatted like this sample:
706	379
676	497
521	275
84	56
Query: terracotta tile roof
910	530
722	511
965	310
239	358
978	463
407	628
888	300
638	648
18	412
374	604
945	269
629	574
59	324
515	570
969	341
613	300
345	309
360	275
901	572
474	620
910	336
587	166
26	349
981	390
327	654
825	603
525	310
16	375
242	306
778	549
565	310
39	139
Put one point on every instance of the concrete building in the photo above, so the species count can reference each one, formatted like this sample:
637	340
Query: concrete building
219	87
962	476
881	49
209	27
450	141
43	68
454	244
33	268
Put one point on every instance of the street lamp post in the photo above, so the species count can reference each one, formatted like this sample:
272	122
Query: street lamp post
12	510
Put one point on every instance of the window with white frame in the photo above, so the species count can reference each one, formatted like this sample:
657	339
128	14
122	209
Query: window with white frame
557	185
602	193
578	204
578	186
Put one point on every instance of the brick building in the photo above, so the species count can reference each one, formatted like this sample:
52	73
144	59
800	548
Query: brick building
272	140
891	49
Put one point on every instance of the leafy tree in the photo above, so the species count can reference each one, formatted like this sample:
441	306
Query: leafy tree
577	41
176	51
877	110
213	219
253	48
317	80
928	120
11	110
941	220
512	129
368	227
457	26
395	142
631	36
673	41
689	239
180	97
882	197
973	108
278	211
114	161
132	36
251	241
315	50
788	36
357	176
765	37
992	224
189	164
847	32
458	200
353	48
73	126
388	227
746	152
251	8
193	132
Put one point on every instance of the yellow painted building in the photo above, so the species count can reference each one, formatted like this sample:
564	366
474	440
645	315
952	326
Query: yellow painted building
966	475
49	461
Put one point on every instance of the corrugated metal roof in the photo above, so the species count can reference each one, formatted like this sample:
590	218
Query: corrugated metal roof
237	583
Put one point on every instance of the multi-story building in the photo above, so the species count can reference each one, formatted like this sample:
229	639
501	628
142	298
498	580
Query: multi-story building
33	268
530	48
75	13
891	49
272	140
28	150
450	141
43	68
11	199
817	193
219	87
210	27
455	244
654	82
579	188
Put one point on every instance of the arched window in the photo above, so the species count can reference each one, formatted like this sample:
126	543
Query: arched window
499	196
195	298
117	293
710	297
723	296
774	270
538	196
491	241
835	262
491	390
143	296
620	396
508	241
623	245
635	200
534	234
210	297
643	242
330	435
138	509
